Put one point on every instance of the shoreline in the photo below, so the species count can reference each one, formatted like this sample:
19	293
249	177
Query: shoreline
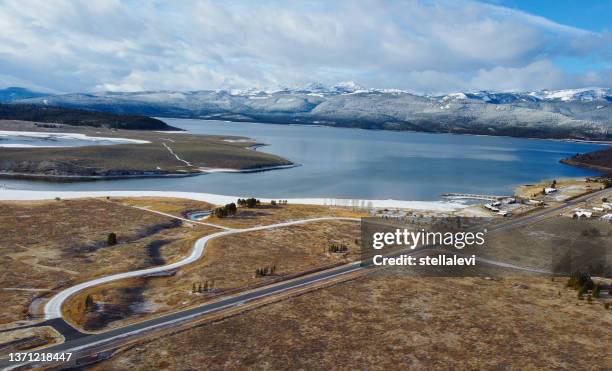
252	170
604	170
574	140
200	171
28	195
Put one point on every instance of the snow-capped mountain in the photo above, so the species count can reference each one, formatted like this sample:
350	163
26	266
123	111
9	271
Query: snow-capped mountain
572	95
566	95
575	113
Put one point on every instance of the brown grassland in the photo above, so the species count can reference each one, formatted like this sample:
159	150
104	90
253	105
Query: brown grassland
174	206
229	264
268	214
48	245
130	159
28	339
386	320
567	188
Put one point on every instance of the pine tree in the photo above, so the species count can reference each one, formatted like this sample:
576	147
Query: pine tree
89	303
111	240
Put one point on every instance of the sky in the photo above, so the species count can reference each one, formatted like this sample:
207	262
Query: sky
420	46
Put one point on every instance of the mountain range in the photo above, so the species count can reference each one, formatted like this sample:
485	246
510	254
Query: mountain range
567	114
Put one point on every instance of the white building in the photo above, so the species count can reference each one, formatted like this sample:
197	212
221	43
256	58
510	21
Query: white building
582	214
491	207
549	190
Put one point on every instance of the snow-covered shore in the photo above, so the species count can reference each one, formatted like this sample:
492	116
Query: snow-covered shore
253	170
23	195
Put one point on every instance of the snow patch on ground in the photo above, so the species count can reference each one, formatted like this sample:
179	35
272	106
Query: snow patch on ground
254	170
59	136
25	195
239	140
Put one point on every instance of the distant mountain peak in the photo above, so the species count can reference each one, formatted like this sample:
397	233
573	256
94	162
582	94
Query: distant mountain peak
506	97
581	94
15	93
348	86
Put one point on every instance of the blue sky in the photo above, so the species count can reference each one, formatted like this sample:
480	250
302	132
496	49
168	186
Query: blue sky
425	46
594	15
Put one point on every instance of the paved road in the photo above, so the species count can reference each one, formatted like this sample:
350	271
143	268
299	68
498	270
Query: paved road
53	308
106	340
96	340
545	213
181	219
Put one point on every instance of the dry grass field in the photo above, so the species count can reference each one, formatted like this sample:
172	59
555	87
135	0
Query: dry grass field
263	214
28	339
48	245
267	214
130	159
541	245
389	321
567	188
175	206
229	263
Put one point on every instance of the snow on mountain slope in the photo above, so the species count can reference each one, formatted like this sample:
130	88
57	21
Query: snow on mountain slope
567	95
572	113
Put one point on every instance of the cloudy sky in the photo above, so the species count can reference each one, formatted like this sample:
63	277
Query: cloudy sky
422	46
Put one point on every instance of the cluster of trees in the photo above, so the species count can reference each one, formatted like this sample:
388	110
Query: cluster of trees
279	202
335	248
77	117
206	287
265	271
248	202
229	209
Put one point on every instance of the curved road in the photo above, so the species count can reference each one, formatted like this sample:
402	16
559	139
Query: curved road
53	308
93	344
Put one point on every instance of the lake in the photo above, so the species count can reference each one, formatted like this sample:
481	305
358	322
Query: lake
363	164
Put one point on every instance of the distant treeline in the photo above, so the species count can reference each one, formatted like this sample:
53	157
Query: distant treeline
600	160
69	116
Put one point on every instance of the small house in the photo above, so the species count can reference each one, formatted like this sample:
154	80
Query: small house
549	190
491	207
582	214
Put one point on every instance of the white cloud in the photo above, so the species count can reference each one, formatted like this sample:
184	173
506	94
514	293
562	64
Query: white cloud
191	45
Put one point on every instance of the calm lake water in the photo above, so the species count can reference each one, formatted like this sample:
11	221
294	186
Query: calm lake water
365	164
